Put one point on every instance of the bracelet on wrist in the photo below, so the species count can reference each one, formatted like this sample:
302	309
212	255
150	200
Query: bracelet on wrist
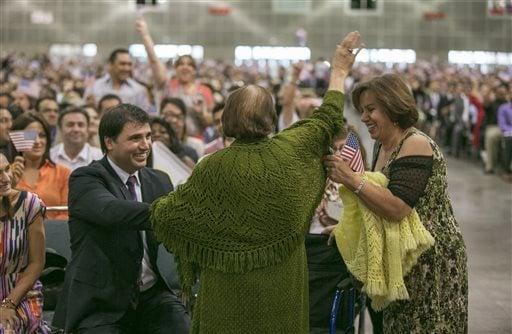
360	187
8	303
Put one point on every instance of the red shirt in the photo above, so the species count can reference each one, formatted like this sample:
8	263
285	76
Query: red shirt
174	89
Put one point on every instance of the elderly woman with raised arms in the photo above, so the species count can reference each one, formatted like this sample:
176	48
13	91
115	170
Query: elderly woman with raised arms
241	219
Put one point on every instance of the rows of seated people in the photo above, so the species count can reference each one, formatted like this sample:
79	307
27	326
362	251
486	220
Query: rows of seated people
464	109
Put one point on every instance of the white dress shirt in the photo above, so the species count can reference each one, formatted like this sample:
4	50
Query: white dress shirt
147	276
130	91
87	155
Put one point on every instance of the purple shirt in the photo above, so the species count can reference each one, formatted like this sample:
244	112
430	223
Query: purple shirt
505	119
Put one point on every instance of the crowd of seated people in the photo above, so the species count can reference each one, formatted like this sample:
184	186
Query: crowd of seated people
459	106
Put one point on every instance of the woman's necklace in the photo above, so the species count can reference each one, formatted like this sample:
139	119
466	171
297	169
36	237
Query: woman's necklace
390	153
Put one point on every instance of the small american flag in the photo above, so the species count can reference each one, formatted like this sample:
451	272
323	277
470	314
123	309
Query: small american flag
352	153
23	140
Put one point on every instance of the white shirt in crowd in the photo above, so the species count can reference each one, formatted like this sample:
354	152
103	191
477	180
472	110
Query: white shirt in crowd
281	124
130	91
87	155
147	276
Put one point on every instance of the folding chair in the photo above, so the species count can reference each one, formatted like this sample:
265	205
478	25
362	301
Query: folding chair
353	302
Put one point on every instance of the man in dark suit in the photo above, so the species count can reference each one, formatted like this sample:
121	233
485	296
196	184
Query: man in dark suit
112	283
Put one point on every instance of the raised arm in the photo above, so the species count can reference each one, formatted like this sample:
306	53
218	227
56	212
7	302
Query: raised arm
343	59
314	134
157	67
289	92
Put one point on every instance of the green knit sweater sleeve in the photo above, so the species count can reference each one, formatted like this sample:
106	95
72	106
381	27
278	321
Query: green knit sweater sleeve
313	135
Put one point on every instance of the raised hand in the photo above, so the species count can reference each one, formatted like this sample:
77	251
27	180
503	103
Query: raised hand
343	60
344	56
296	70
141	26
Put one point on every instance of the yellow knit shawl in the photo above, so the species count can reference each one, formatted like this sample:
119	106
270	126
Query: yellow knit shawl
377	251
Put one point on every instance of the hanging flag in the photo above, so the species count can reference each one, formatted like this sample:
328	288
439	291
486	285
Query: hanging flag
23	141
351	153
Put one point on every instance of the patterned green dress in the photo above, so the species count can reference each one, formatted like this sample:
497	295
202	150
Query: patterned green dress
438	284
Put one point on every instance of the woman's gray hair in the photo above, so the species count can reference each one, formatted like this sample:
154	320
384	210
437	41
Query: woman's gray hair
249	113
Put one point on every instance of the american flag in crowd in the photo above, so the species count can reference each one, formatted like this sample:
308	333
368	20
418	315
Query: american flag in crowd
352	153
23	140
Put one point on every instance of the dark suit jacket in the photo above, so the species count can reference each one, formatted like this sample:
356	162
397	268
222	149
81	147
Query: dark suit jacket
106	248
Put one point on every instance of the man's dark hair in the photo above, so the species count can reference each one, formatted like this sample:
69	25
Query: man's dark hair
108	97
114	119
113	55
44	98
47	91
72	110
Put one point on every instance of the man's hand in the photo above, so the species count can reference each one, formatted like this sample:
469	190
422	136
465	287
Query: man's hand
17	169
141	26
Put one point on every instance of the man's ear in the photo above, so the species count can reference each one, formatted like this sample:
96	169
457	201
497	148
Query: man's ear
109	143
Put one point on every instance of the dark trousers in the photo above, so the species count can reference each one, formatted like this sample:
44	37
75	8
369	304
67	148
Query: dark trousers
159	311
326	269
376	317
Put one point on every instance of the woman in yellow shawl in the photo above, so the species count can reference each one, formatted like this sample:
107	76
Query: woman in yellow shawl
416	169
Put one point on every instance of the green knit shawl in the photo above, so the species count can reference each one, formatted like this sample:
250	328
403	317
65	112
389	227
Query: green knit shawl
249	206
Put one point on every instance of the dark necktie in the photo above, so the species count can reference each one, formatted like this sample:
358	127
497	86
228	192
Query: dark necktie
131	187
